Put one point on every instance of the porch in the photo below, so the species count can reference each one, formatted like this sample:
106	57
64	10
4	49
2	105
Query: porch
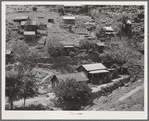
98	77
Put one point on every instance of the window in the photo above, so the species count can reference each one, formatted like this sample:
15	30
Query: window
95	75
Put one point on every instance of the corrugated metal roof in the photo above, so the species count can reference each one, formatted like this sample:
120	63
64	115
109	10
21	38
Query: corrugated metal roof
108	28
95	66
68	46
99	71
29	33
21	17
68	17
100	44
77	76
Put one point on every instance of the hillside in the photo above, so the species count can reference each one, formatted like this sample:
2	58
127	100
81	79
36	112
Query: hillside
46	57
110	102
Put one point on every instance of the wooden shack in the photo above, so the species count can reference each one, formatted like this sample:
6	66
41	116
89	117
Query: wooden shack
100	47
21	18
68	46
34	9
79	77
32	26
69	20
8	56
51	20
109	30
97	72
29	35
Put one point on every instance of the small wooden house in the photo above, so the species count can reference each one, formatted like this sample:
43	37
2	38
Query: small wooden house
31	27
51	20
69	20
29	35
68	46
109	30
34	9
79	77
21	18
70	8
100	47
97	72
8	56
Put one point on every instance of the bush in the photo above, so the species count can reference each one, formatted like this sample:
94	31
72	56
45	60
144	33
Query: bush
53	46
71	54
73	96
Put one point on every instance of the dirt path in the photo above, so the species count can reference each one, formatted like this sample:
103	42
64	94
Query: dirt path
45	78
131	93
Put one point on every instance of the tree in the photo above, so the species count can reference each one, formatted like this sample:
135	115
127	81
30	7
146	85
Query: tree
24	55
12	31
119	52
100	32
74	95
29	87
61	9
13	86
53	46
86	44
20	85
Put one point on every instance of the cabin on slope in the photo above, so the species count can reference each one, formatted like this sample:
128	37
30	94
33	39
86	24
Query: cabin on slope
97	72
21	18
29	35
79	77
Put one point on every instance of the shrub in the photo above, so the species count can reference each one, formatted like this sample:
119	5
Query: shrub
53	46
73	96
71	54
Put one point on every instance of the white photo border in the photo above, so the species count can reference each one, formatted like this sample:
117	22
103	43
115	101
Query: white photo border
90	115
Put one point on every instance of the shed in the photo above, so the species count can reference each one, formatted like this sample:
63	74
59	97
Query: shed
100	46
29	35
21	18
69	19
8	55
51	20
109	30
68	8
34	9
79	77
68	46
97	72
31	27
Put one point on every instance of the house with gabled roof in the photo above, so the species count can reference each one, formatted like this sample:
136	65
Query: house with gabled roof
79	77
8	55
29	35
109	30
21	18
68	19
32	26
97	72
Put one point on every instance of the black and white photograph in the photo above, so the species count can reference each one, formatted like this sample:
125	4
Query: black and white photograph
74	60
